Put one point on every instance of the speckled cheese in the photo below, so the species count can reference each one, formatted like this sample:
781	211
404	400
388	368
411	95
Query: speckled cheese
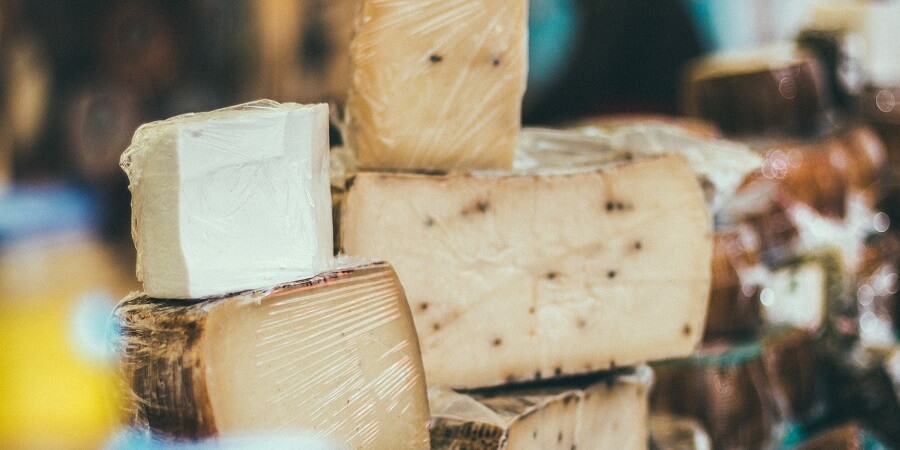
533	274
608	414
334	357
437	84
231	200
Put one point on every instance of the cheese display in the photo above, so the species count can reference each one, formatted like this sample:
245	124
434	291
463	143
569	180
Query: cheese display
437	84
591	413
549	270
335	356
772	90
231	200
724	387
873	27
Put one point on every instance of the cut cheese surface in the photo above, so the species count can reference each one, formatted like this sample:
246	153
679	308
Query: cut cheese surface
437	84
607	414
231	200
538	273
333	357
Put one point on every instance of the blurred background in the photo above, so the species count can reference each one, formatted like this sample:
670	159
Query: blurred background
78	76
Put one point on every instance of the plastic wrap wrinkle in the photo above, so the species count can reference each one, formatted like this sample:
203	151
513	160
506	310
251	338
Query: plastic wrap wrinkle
333	357
437	84
231	200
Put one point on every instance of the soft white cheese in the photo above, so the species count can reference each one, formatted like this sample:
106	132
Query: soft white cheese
231	200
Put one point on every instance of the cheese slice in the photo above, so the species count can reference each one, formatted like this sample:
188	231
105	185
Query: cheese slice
437	84
334	357
231	200
541	272
605	414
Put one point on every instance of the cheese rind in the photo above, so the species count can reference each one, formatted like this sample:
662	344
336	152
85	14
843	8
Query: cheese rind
231	200
334	357
437	84
611	413
517	276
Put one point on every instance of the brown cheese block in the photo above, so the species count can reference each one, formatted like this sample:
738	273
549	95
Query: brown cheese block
793	369
335	356
777	91
734	308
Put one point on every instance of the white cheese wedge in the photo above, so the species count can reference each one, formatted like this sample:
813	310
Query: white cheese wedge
334	357
554	270
231	200
609	414
796	295
874	32
437	84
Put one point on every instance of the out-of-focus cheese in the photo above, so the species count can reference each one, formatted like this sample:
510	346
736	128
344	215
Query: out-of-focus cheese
437	84
607	414
334	357
542	272
874	26
231	200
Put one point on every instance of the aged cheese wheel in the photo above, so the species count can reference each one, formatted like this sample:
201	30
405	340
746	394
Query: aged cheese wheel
601	412
794	370
556	269
334	357
734	307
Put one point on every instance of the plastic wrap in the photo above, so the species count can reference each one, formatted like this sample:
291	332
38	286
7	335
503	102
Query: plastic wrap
722	166
725	388
593	412
437	84
541	272
774	90
335	357
231	200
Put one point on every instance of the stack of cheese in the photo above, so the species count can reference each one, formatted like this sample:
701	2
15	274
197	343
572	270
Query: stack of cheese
248	324
524	267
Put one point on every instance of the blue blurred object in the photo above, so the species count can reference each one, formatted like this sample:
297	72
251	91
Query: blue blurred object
726	24
137	440
28	212
553	27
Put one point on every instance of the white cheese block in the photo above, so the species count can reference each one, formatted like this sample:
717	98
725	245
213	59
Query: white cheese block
335	357
231	200
607	414
532	274
437	84
874	29
796	295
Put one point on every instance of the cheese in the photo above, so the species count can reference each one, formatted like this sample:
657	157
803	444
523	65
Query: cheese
723	386
796	293
437	84
541	272
720	165
874	27
231	200
596	414
772	90
334	357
